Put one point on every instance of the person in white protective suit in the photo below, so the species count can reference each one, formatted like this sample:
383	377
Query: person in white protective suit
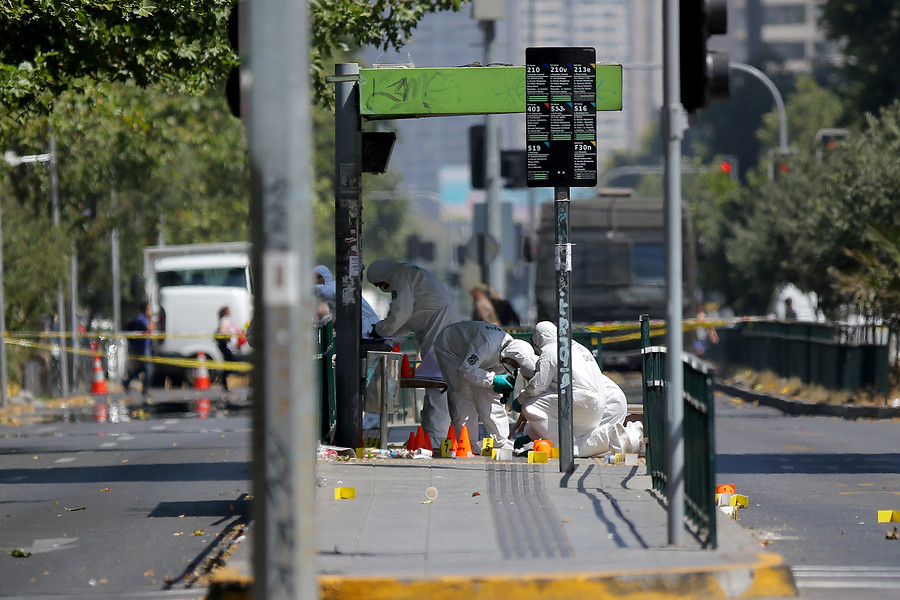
599	406
420	304
327	292
471	355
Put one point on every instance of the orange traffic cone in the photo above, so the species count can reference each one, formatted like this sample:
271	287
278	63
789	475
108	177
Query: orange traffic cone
101	412
98	386
464	449
203	407
420	438
451	435
411	444
201	376
405	371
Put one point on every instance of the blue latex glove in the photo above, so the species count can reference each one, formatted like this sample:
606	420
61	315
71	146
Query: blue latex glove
503	383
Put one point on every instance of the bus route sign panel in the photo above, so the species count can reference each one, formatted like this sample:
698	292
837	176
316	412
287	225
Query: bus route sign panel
561	117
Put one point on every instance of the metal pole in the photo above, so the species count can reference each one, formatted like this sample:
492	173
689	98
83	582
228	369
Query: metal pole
276	103
779	101
347	232
3	382
117	295
60	301
673	130
564	331
493	182
73	268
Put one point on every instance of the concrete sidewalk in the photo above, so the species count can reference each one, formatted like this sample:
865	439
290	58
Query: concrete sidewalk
512	529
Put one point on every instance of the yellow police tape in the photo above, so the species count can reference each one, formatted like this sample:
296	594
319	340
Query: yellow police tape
188	363
657	329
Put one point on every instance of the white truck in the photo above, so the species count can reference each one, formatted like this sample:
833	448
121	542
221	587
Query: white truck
187	285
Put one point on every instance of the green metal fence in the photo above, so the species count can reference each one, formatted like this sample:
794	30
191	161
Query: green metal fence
837	357
698	428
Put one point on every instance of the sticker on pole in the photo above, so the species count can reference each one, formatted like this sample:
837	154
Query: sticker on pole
280	283
561	117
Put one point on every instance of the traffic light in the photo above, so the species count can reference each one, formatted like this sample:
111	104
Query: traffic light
419	249
828	140
704	72
780	165
514	168
729	166
376	150
477	156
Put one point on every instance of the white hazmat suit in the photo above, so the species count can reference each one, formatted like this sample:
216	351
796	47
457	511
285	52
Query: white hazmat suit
469	355
420	304
599	406
327	292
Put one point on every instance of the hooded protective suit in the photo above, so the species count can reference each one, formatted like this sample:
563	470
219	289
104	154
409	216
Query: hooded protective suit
420	304
469	355
327	292
599	406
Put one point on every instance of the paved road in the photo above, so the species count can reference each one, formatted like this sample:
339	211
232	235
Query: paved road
815	485
127	509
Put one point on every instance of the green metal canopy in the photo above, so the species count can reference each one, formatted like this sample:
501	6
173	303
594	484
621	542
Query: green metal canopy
398	93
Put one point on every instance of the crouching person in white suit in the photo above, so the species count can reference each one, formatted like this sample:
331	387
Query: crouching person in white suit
599	406
471	355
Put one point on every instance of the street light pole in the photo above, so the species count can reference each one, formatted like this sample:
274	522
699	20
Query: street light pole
779	102
15	160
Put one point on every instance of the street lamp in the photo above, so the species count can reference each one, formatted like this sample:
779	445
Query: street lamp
13	159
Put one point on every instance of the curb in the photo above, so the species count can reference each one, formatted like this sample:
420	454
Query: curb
764	577
803	408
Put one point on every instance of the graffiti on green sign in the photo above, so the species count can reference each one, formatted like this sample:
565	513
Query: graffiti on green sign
392	93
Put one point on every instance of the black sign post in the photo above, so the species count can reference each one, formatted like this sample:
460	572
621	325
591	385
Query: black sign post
561	152
561	117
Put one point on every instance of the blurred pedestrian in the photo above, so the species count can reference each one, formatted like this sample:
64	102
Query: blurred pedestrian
326	290
789	313
228	337
506	314
482	307
421	305
704	334
140	347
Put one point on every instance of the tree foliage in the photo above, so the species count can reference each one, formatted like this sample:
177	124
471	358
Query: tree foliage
872	284
51	46
151	164
869	33
811	223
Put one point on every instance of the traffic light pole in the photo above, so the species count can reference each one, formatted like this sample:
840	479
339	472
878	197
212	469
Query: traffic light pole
348	267
673	132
